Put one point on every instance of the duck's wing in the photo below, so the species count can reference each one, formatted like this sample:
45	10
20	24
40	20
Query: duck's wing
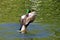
23	18
30	19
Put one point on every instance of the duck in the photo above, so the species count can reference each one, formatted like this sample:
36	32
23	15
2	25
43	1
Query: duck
26	19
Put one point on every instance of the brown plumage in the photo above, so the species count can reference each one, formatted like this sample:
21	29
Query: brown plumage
26	20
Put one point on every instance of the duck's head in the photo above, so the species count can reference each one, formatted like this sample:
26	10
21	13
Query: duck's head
29	11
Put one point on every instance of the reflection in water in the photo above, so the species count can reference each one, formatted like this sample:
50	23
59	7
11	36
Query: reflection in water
25	37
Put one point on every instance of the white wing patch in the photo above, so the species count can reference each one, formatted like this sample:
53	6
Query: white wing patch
22	17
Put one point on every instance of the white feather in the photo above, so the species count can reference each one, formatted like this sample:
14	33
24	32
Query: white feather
23	16
32	14
23	28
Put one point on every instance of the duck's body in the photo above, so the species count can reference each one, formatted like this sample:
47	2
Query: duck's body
26	20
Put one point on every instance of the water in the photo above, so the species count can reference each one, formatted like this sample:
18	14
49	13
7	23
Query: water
9	31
